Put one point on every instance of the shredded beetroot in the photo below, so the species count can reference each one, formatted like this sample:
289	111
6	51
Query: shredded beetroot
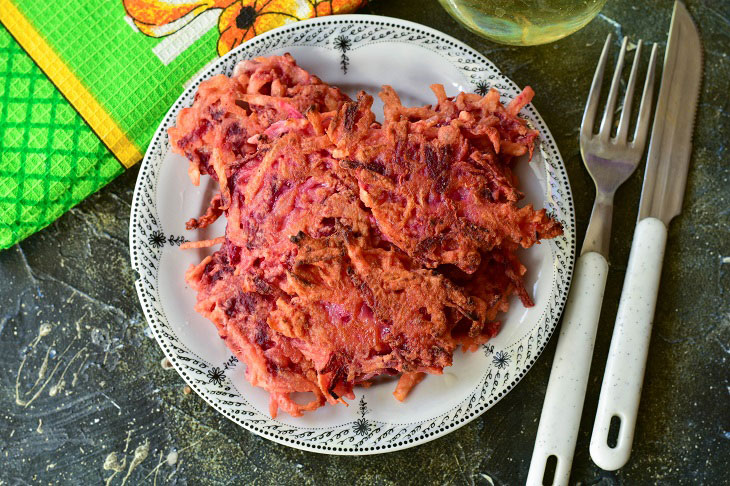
354	249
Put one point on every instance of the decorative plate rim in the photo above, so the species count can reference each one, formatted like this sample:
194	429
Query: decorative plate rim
145	256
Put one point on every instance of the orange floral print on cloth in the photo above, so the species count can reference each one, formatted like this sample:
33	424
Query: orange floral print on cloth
239	20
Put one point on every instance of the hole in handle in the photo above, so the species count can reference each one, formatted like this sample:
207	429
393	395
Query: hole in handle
613	429
550	465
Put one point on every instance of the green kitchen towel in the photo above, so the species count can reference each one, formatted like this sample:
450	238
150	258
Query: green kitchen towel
49	157
83	85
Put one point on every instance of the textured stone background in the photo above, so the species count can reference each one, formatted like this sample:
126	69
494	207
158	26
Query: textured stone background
81	376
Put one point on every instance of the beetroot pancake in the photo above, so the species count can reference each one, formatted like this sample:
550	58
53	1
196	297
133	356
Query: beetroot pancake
354	249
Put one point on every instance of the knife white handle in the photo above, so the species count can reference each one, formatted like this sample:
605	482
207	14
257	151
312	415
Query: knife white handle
560	419
624	375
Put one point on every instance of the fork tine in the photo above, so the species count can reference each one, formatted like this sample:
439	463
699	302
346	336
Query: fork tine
642	125
605	131
589	115
623	124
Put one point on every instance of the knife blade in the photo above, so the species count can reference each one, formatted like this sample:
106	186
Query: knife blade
670	145
661	200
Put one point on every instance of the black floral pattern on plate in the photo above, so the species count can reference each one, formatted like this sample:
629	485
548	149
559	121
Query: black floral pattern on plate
232	361
482	88
501	359
157	239
343	45
362	425
215	375
176	240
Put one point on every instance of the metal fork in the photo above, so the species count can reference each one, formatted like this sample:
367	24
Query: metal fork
610	161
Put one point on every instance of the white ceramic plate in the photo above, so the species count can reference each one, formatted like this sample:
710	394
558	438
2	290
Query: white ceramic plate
353	52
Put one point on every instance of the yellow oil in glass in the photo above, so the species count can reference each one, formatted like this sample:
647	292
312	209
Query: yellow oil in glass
523	22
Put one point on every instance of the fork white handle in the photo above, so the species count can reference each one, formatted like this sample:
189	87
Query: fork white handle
624	375
561	412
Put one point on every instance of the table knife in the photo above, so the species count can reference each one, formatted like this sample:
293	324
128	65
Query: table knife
661	200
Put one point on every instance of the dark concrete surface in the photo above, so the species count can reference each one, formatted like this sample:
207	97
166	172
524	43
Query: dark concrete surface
81	376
